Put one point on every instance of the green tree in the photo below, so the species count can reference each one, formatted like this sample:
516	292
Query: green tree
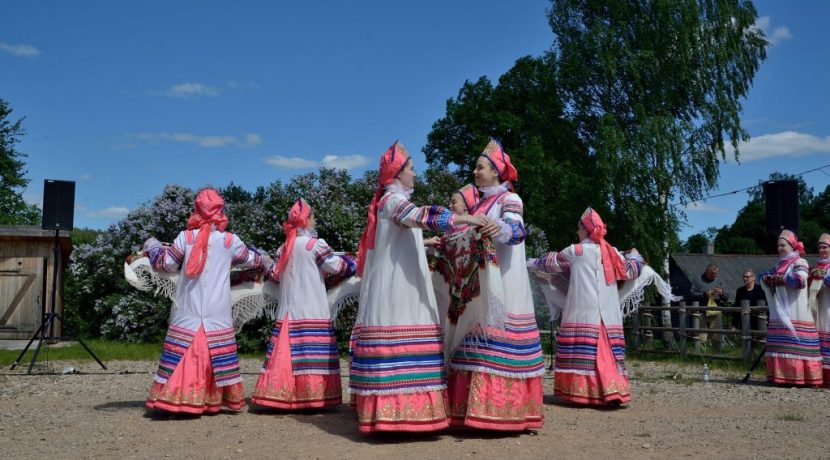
654	90
526	113
13	209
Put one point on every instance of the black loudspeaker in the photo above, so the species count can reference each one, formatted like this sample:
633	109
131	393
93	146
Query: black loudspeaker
58	204
782	205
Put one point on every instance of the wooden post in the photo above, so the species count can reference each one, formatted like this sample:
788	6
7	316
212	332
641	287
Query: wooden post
648	335
762	323
636	320
696	325
681	310
746	334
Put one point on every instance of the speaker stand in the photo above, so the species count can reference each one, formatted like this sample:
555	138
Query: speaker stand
45	332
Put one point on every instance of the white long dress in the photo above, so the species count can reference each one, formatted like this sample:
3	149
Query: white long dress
496	383
396	373
590	347
302	364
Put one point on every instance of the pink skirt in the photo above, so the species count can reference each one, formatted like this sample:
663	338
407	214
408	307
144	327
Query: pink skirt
191	388
279	388
493	402
788	371
607	385
422	411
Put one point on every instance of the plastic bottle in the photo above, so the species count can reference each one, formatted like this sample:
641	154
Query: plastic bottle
705	373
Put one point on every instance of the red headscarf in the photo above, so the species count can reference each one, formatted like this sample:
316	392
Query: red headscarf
469	193
297	218
792	240
208	211
391	163
501	161
612	265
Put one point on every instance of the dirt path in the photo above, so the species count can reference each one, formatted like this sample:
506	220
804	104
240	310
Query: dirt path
102	415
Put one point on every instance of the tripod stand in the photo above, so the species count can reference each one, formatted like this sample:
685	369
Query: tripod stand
754	365
46	330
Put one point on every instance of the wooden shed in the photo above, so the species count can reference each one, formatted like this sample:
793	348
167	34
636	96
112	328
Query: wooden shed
26	278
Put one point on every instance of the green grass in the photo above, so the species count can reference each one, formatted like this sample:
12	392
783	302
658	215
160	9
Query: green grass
790	417
106	350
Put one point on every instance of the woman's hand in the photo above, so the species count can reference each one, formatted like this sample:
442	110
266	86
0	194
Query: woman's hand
434	241
489	227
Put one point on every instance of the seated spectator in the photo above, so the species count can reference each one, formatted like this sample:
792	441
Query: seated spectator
751	292
708	291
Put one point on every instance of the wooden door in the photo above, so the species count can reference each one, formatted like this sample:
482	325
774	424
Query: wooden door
21	286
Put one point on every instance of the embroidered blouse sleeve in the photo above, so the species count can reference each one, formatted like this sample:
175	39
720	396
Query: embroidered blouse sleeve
511	220
797	276
270	275
555	262
633	262
331	263
406	214
169	258
243	256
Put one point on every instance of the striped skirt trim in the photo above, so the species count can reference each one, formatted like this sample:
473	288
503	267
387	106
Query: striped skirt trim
396	359
804	345
512	352
576	347
221	346
224	356
176	343
824	344
313	346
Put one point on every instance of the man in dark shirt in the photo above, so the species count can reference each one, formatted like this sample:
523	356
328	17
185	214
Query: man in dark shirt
752	292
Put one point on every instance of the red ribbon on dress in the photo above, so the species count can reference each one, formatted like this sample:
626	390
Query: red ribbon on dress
612	265
391	163
208	211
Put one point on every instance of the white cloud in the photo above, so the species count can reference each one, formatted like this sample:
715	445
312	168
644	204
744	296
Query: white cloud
188	90
248	140
344	162
251	139
703	207
290	163
112	212
86	176
776	35
783	144
20	50
328	161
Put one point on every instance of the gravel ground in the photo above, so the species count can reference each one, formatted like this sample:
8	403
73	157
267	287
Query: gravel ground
100	414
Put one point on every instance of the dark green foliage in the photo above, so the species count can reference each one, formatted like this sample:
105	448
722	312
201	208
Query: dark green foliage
13	209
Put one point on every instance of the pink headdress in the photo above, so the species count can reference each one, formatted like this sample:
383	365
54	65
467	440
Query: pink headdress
391	163
208	211
500	161
612	265
790	238
469	193
824	239
297	218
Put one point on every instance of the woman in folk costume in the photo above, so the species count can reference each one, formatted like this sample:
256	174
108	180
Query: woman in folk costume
199	366
590	346
496	381
820	303
464	273
397	379
793	354
302	365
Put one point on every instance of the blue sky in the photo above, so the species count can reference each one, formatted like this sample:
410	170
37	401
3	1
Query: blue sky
123	98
